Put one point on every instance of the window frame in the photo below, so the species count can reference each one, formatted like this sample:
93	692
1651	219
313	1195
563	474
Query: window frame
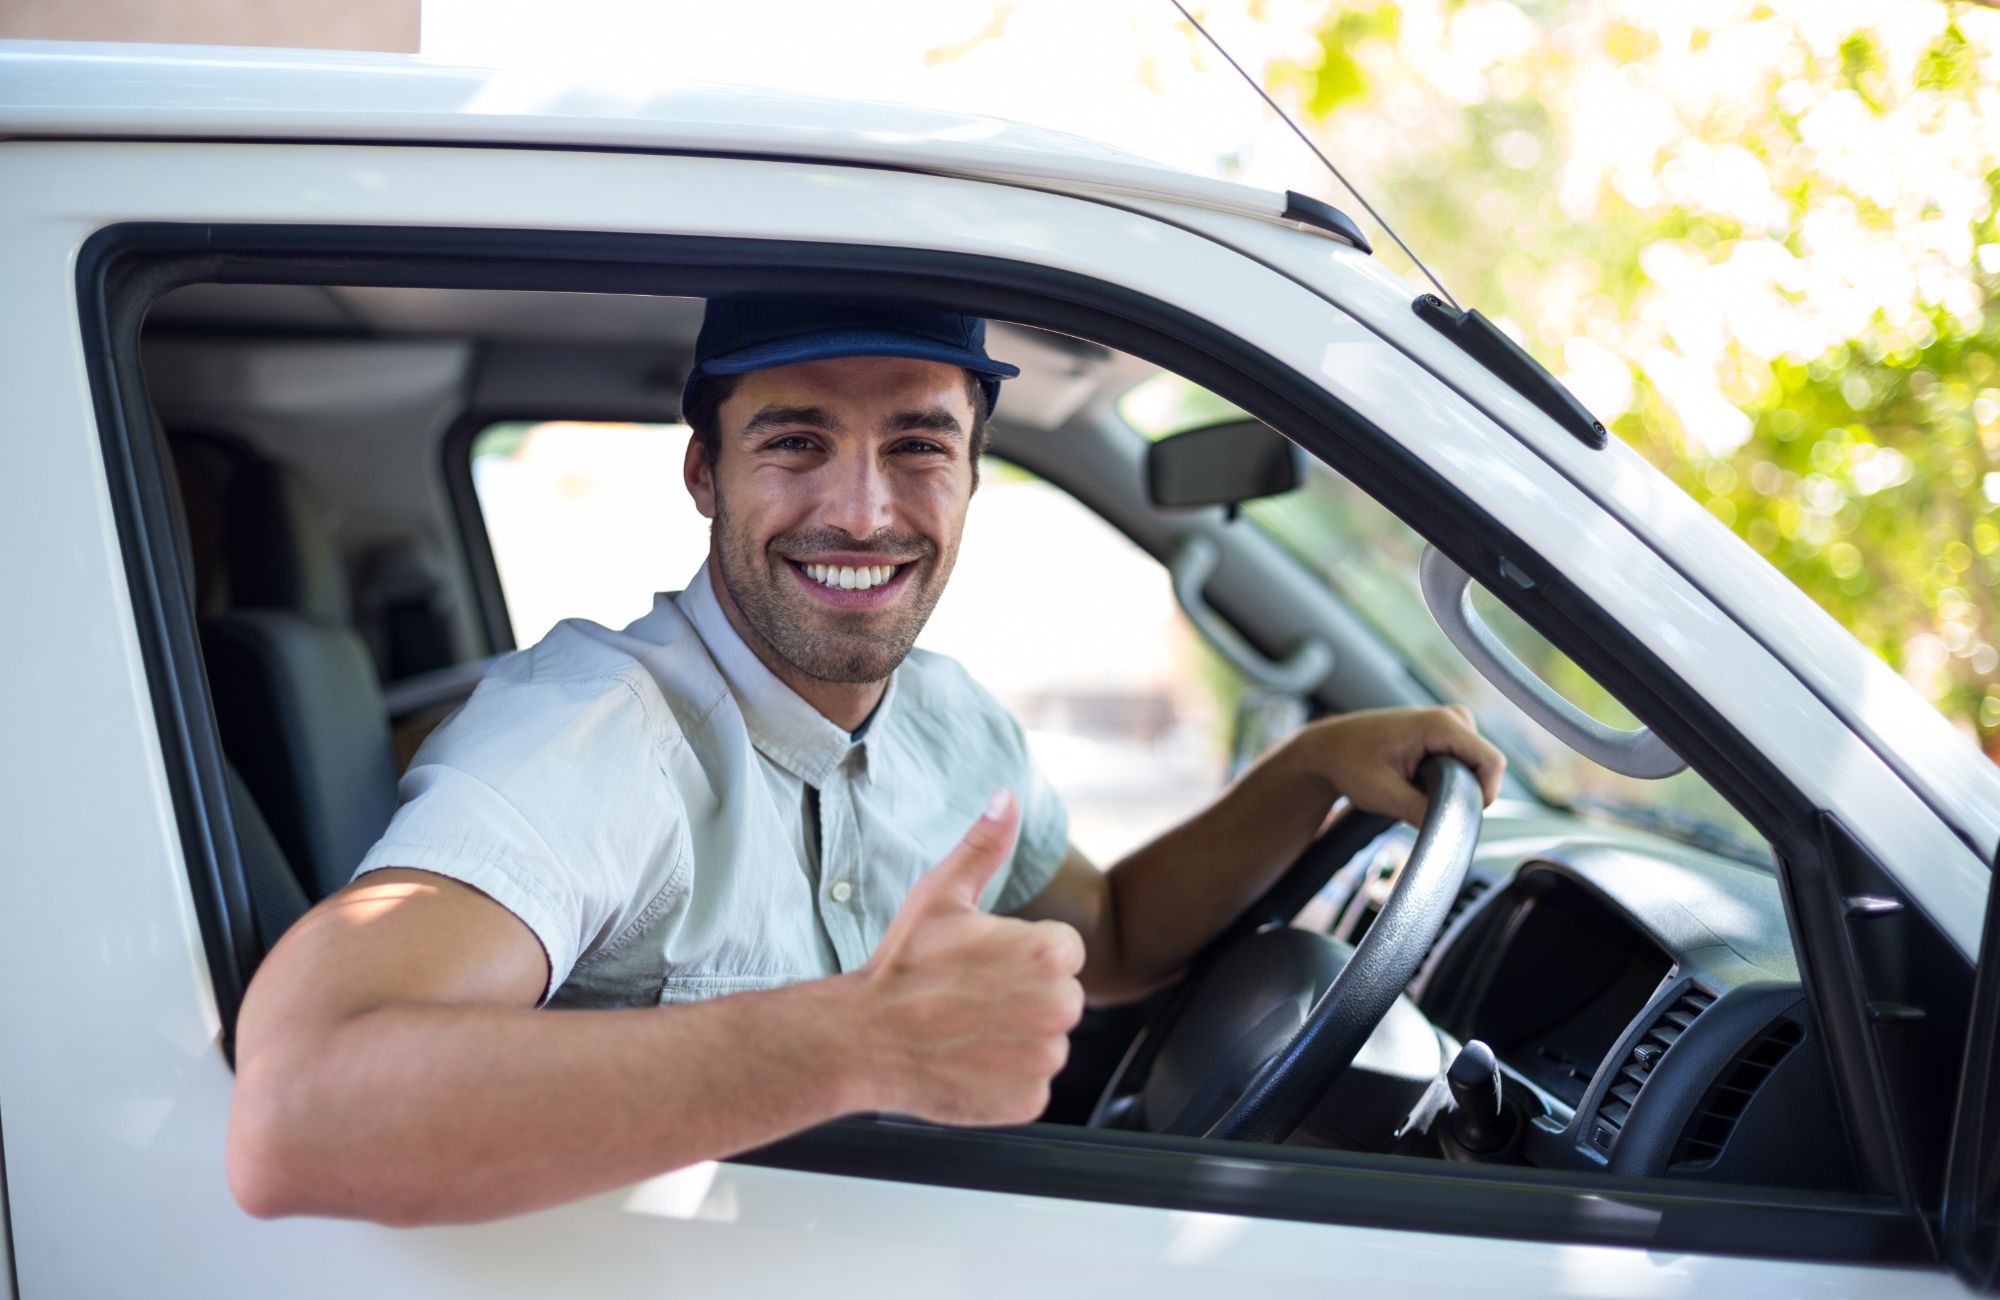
10	1275
123	268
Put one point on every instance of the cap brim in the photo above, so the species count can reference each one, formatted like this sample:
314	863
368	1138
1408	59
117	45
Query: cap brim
852	343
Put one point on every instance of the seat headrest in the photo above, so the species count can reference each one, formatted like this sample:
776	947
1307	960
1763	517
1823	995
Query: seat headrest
203	466
280	547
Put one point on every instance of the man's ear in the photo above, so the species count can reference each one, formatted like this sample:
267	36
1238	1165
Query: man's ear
699	475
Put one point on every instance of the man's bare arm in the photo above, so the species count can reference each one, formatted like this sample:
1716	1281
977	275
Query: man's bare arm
391	1063
1143	919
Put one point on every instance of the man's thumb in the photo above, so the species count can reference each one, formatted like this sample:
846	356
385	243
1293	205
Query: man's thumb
963	873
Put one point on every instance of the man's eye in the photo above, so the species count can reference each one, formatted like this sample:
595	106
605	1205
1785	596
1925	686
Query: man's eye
790	442
921	446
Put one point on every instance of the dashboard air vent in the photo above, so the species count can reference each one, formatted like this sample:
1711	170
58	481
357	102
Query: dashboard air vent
1468	894
1709	1127
1638	1067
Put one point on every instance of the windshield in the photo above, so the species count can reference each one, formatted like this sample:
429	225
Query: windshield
1370	558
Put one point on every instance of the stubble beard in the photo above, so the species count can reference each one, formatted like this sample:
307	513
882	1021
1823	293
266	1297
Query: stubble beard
828	645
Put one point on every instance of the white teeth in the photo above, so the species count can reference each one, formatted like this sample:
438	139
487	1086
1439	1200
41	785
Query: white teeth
850	579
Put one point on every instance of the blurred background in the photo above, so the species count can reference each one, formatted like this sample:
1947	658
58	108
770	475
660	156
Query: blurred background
1756	237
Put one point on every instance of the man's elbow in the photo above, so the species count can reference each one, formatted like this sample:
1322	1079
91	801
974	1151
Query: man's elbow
277	1170
271	1182
262	1178
272	1171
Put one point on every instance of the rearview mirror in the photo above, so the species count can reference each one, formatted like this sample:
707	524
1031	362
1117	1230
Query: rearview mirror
1222	465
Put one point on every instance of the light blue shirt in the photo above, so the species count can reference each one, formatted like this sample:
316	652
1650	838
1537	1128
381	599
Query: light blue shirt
675	823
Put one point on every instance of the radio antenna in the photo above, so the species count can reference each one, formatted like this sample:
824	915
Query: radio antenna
1286	118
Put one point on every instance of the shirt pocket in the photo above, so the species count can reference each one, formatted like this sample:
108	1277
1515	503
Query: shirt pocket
699	988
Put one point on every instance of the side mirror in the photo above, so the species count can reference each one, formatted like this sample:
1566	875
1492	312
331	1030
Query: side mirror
1222	465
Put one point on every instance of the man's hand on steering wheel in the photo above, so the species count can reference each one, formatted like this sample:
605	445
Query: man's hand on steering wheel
1146	917
1371	756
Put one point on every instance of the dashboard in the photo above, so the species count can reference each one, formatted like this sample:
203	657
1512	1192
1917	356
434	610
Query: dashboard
1642	998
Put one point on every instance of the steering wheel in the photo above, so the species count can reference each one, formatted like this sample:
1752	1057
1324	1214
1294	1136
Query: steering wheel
1269	1016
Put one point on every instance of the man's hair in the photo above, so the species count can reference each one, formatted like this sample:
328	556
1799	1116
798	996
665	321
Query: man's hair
704	416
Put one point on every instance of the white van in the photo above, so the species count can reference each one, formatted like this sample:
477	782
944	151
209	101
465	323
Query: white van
329	378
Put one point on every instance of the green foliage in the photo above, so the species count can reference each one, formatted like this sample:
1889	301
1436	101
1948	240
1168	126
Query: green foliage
1764	250
1950	63
1340	78
1863	480
1861	68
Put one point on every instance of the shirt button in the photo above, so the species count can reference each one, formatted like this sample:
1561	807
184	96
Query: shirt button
842	891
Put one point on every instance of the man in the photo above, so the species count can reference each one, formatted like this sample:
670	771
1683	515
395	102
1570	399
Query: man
777	866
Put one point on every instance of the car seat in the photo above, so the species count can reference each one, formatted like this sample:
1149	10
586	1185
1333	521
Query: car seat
202	466
296	697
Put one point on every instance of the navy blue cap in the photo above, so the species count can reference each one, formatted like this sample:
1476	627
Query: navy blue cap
739	335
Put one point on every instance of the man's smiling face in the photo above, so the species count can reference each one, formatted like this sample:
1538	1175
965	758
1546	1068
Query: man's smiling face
838	491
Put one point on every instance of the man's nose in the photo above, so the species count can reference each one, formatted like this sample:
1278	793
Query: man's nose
858	502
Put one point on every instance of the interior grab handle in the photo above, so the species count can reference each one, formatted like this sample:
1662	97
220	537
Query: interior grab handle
1195	560
1448	591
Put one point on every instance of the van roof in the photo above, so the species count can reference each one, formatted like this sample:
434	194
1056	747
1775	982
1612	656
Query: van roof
113	91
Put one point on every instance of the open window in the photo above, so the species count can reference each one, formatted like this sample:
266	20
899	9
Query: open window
1267	588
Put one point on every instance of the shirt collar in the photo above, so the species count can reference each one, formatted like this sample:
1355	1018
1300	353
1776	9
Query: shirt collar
789	731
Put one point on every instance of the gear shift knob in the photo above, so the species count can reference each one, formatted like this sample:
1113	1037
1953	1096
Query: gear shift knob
1480	1122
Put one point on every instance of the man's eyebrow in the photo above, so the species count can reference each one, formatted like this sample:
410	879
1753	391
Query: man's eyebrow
791	417
934	419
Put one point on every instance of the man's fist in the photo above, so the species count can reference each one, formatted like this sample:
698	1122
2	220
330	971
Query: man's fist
968	1015
1372	756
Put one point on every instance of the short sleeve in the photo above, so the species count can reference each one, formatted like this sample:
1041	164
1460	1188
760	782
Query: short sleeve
548	797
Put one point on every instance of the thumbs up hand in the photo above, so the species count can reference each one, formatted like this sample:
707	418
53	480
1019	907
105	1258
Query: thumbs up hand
969	1014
